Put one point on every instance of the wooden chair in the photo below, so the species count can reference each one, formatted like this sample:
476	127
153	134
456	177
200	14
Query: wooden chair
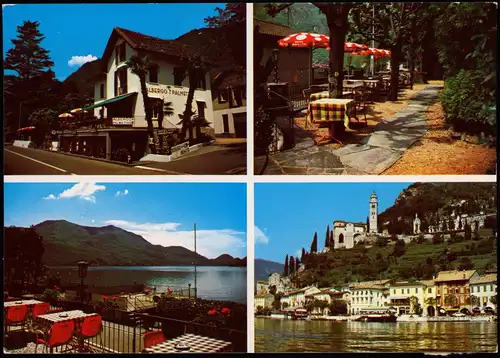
307	97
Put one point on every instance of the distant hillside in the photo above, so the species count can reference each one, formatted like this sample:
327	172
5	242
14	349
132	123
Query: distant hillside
83	78
67	243
432	201
420	258
263	268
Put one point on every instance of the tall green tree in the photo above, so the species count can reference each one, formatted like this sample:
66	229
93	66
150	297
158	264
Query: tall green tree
291	265
297	263
286	266
303	255
332	241
327	236
140	65
28	58
399	248
314	244
390	25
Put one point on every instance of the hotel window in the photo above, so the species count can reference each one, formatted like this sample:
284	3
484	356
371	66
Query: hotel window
222	98
201	109
179	74
237	96
202	83
101	90
484	289
153	74
416	290
120	53
157	107
429	290
120	81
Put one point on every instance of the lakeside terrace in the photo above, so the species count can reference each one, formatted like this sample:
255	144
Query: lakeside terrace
120	331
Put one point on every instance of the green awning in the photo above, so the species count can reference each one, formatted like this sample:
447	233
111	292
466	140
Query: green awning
109	101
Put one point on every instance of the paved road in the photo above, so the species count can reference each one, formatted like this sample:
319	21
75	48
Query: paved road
224	159
27	161
230	159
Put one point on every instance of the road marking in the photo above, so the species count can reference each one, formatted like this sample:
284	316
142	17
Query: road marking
156	169
48	165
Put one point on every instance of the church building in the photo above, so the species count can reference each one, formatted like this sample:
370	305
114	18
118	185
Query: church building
347	234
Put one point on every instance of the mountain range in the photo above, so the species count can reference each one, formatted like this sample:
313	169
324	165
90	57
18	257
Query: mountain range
263	268
67	243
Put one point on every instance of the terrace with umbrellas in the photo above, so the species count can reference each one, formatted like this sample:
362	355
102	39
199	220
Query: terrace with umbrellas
309	110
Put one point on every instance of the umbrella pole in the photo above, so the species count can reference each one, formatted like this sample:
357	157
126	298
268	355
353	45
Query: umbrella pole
310	67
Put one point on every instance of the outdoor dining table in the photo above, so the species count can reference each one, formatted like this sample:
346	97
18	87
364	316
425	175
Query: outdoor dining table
20	303
196	344
325	94
331	110
47	320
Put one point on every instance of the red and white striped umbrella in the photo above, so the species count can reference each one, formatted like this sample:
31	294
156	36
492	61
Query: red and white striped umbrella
305	40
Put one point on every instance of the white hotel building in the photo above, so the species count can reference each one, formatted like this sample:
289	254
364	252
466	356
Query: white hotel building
118	100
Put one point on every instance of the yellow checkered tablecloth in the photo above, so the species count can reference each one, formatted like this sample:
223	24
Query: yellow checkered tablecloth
331	109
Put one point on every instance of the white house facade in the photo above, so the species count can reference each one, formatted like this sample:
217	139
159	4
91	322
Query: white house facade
484	287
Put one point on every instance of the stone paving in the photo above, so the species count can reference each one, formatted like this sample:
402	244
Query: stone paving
374	155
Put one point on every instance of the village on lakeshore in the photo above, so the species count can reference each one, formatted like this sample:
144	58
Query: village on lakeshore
459	293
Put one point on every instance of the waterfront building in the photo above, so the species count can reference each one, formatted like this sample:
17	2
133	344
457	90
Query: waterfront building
366	295
453	289
262	287
484	287
297	298
263	300
404	296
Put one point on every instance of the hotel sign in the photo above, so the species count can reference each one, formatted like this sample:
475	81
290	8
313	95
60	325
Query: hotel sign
123	121
169	91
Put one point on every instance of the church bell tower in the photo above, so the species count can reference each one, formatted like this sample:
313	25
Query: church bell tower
373	213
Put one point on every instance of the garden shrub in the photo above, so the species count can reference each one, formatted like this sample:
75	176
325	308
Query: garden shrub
467	104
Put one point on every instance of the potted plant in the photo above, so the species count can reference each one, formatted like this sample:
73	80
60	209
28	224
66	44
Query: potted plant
106	307
52	295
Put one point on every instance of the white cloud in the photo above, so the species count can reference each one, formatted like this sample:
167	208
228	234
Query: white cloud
80	60
298	253
5	5
209	243
121	193
84	190
259	236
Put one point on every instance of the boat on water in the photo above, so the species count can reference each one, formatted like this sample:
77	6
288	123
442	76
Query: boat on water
377	318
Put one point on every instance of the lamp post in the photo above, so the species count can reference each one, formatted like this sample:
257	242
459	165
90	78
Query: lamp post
195	278
82	273
276	55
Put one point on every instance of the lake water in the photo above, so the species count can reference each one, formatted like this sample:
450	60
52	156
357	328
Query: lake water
214	282
275	335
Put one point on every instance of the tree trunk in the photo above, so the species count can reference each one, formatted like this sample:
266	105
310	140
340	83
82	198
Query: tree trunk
395	61
188	111
412	69
337	31
148	112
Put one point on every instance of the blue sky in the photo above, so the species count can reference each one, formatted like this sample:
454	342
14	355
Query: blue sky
75	31
163	213
288	214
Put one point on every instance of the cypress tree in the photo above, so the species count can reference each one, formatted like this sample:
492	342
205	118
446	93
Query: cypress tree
292	265
327	237
286	266
314	244
297	263
303	256
332	241
367	224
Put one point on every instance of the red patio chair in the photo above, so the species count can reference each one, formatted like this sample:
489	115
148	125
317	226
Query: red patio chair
59	334
153	338
38	309
90	327
16	316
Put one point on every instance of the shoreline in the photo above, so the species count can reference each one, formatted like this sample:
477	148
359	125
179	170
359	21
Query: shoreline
401	319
